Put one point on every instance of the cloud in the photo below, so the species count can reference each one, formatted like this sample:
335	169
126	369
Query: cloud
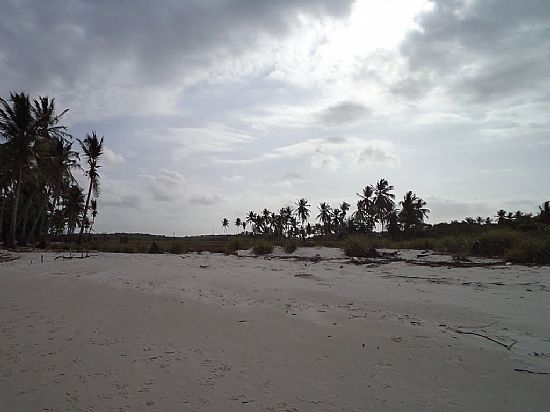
188	141
233	178
477	50
111	158
343	112
129	57
207	199
330	153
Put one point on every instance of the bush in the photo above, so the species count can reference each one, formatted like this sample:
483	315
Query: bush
263	248
154	249
532	251
498	243
360	248
290	247
175	248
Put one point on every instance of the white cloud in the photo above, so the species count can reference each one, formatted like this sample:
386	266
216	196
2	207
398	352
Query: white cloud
111	158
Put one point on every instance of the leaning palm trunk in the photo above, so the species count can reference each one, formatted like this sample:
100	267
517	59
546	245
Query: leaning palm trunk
85	212
15	205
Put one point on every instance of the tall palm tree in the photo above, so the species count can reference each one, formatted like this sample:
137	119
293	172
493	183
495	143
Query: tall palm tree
412	211
366	215
73	207
18	127
225	224
238	222
302	211
324	216
252	219
383	199
93	149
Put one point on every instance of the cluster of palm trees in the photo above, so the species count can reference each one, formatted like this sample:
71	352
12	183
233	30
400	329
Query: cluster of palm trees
376	205
39	194
518	217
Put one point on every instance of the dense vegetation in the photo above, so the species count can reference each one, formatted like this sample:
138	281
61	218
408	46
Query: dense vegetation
41	200
39	195
517	237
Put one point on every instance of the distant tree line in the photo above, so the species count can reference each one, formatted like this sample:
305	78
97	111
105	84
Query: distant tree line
376	205
39	195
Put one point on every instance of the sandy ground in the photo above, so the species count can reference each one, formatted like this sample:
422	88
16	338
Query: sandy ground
212	332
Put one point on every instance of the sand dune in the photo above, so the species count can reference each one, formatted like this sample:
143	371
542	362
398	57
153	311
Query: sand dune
212	332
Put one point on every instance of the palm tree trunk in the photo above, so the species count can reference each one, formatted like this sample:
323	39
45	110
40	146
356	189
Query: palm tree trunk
85	213
37	219
15	205
2	217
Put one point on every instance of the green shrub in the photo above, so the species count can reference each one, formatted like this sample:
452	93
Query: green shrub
360	248
263	248
531	251
290	246
498	243
176	248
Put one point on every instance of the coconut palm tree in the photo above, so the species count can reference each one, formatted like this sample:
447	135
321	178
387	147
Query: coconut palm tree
412	212
383	200
501	216
366	215
238	222
225	224
73	207
302	211
324	216
18	127
544	212
252	218
93	149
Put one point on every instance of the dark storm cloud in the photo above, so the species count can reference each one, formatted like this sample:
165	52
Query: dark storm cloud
479	50
62	44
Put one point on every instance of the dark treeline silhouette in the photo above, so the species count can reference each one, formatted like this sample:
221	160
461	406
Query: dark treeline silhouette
39	195
376	205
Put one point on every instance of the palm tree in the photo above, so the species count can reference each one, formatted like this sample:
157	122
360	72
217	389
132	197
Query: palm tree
252	219
93	149
501	216
544	214
383	200
73	207
412	212
93	208
365	215
18	127
266	220
302	211
225	224
238	222
324	216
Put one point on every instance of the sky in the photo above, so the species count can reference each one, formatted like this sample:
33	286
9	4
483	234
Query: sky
211	109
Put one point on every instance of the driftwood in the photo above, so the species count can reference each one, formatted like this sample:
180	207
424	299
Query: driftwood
7	257
530	371
463	332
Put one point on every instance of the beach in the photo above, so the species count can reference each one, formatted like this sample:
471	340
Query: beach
310	331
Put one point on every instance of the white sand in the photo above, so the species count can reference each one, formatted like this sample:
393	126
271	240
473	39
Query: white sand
162	333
